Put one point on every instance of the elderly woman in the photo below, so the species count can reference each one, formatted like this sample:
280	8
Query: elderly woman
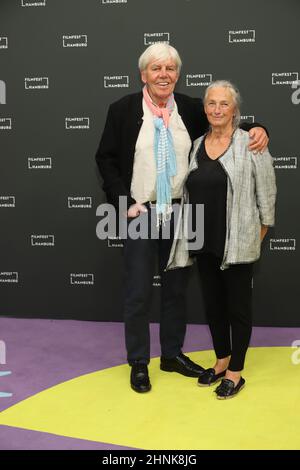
238	190
143	155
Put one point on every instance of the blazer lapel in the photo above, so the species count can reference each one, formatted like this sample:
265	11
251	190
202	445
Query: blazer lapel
227	162
135	119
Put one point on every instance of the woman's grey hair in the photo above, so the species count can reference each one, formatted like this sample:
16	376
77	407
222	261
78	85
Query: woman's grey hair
235	96
159	51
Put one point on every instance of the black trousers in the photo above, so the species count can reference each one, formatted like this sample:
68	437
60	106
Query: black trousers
140	257
227	298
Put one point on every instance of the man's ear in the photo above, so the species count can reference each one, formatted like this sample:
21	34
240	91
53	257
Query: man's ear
143	77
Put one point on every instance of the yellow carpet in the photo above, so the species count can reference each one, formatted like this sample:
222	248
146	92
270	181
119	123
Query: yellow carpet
176	414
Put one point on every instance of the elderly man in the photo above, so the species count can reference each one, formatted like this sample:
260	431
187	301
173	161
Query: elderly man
143	155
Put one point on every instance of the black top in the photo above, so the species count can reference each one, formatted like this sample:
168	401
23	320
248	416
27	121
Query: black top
208	185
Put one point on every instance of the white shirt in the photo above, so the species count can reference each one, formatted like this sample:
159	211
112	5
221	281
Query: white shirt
143	184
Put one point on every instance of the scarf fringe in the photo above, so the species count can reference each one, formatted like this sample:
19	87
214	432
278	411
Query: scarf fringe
163	216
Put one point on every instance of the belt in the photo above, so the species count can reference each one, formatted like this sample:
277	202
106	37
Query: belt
153	203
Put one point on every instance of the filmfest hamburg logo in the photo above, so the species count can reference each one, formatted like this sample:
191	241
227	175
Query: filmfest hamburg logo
5	123
285	163
243	36
33	3
283	244
42	240
113	2
3	42
82	279
248	118
40	163
198	79
75	40
36	83
114	242
79	202
152	38
72	123
9	277
156	281
116	81
284	78
7	201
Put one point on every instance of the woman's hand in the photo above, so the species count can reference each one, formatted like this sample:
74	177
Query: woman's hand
135	210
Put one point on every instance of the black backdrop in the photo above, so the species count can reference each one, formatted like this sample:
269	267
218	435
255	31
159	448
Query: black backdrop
62	62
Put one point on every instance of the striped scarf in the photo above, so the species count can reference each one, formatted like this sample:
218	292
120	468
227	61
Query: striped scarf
164	156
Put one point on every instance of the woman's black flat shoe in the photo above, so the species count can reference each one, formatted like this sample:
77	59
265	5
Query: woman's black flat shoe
209	377
226	389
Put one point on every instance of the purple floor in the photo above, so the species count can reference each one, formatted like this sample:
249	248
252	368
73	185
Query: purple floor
43	353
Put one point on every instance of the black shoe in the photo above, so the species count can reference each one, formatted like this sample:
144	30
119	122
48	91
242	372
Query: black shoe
226	389
139	378
181	364
209	377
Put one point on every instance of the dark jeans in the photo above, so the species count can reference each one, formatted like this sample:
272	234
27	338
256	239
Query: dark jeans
227	298
140	257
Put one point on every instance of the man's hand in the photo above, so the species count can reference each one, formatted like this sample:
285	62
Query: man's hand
136	209
258	139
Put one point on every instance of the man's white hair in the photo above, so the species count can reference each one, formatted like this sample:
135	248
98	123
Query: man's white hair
159	51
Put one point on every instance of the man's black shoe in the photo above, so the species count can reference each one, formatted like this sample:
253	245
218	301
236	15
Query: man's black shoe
181	364
139	378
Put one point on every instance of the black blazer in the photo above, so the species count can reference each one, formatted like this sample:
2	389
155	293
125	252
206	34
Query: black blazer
115	155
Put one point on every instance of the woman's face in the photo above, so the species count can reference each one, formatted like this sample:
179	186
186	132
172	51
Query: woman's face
219	107
160	76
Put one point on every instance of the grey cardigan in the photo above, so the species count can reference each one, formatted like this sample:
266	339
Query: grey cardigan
251	195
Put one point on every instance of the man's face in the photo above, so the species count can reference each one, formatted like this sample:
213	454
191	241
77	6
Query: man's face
160	76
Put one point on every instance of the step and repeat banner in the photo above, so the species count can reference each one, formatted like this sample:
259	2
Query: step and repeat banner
62	62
